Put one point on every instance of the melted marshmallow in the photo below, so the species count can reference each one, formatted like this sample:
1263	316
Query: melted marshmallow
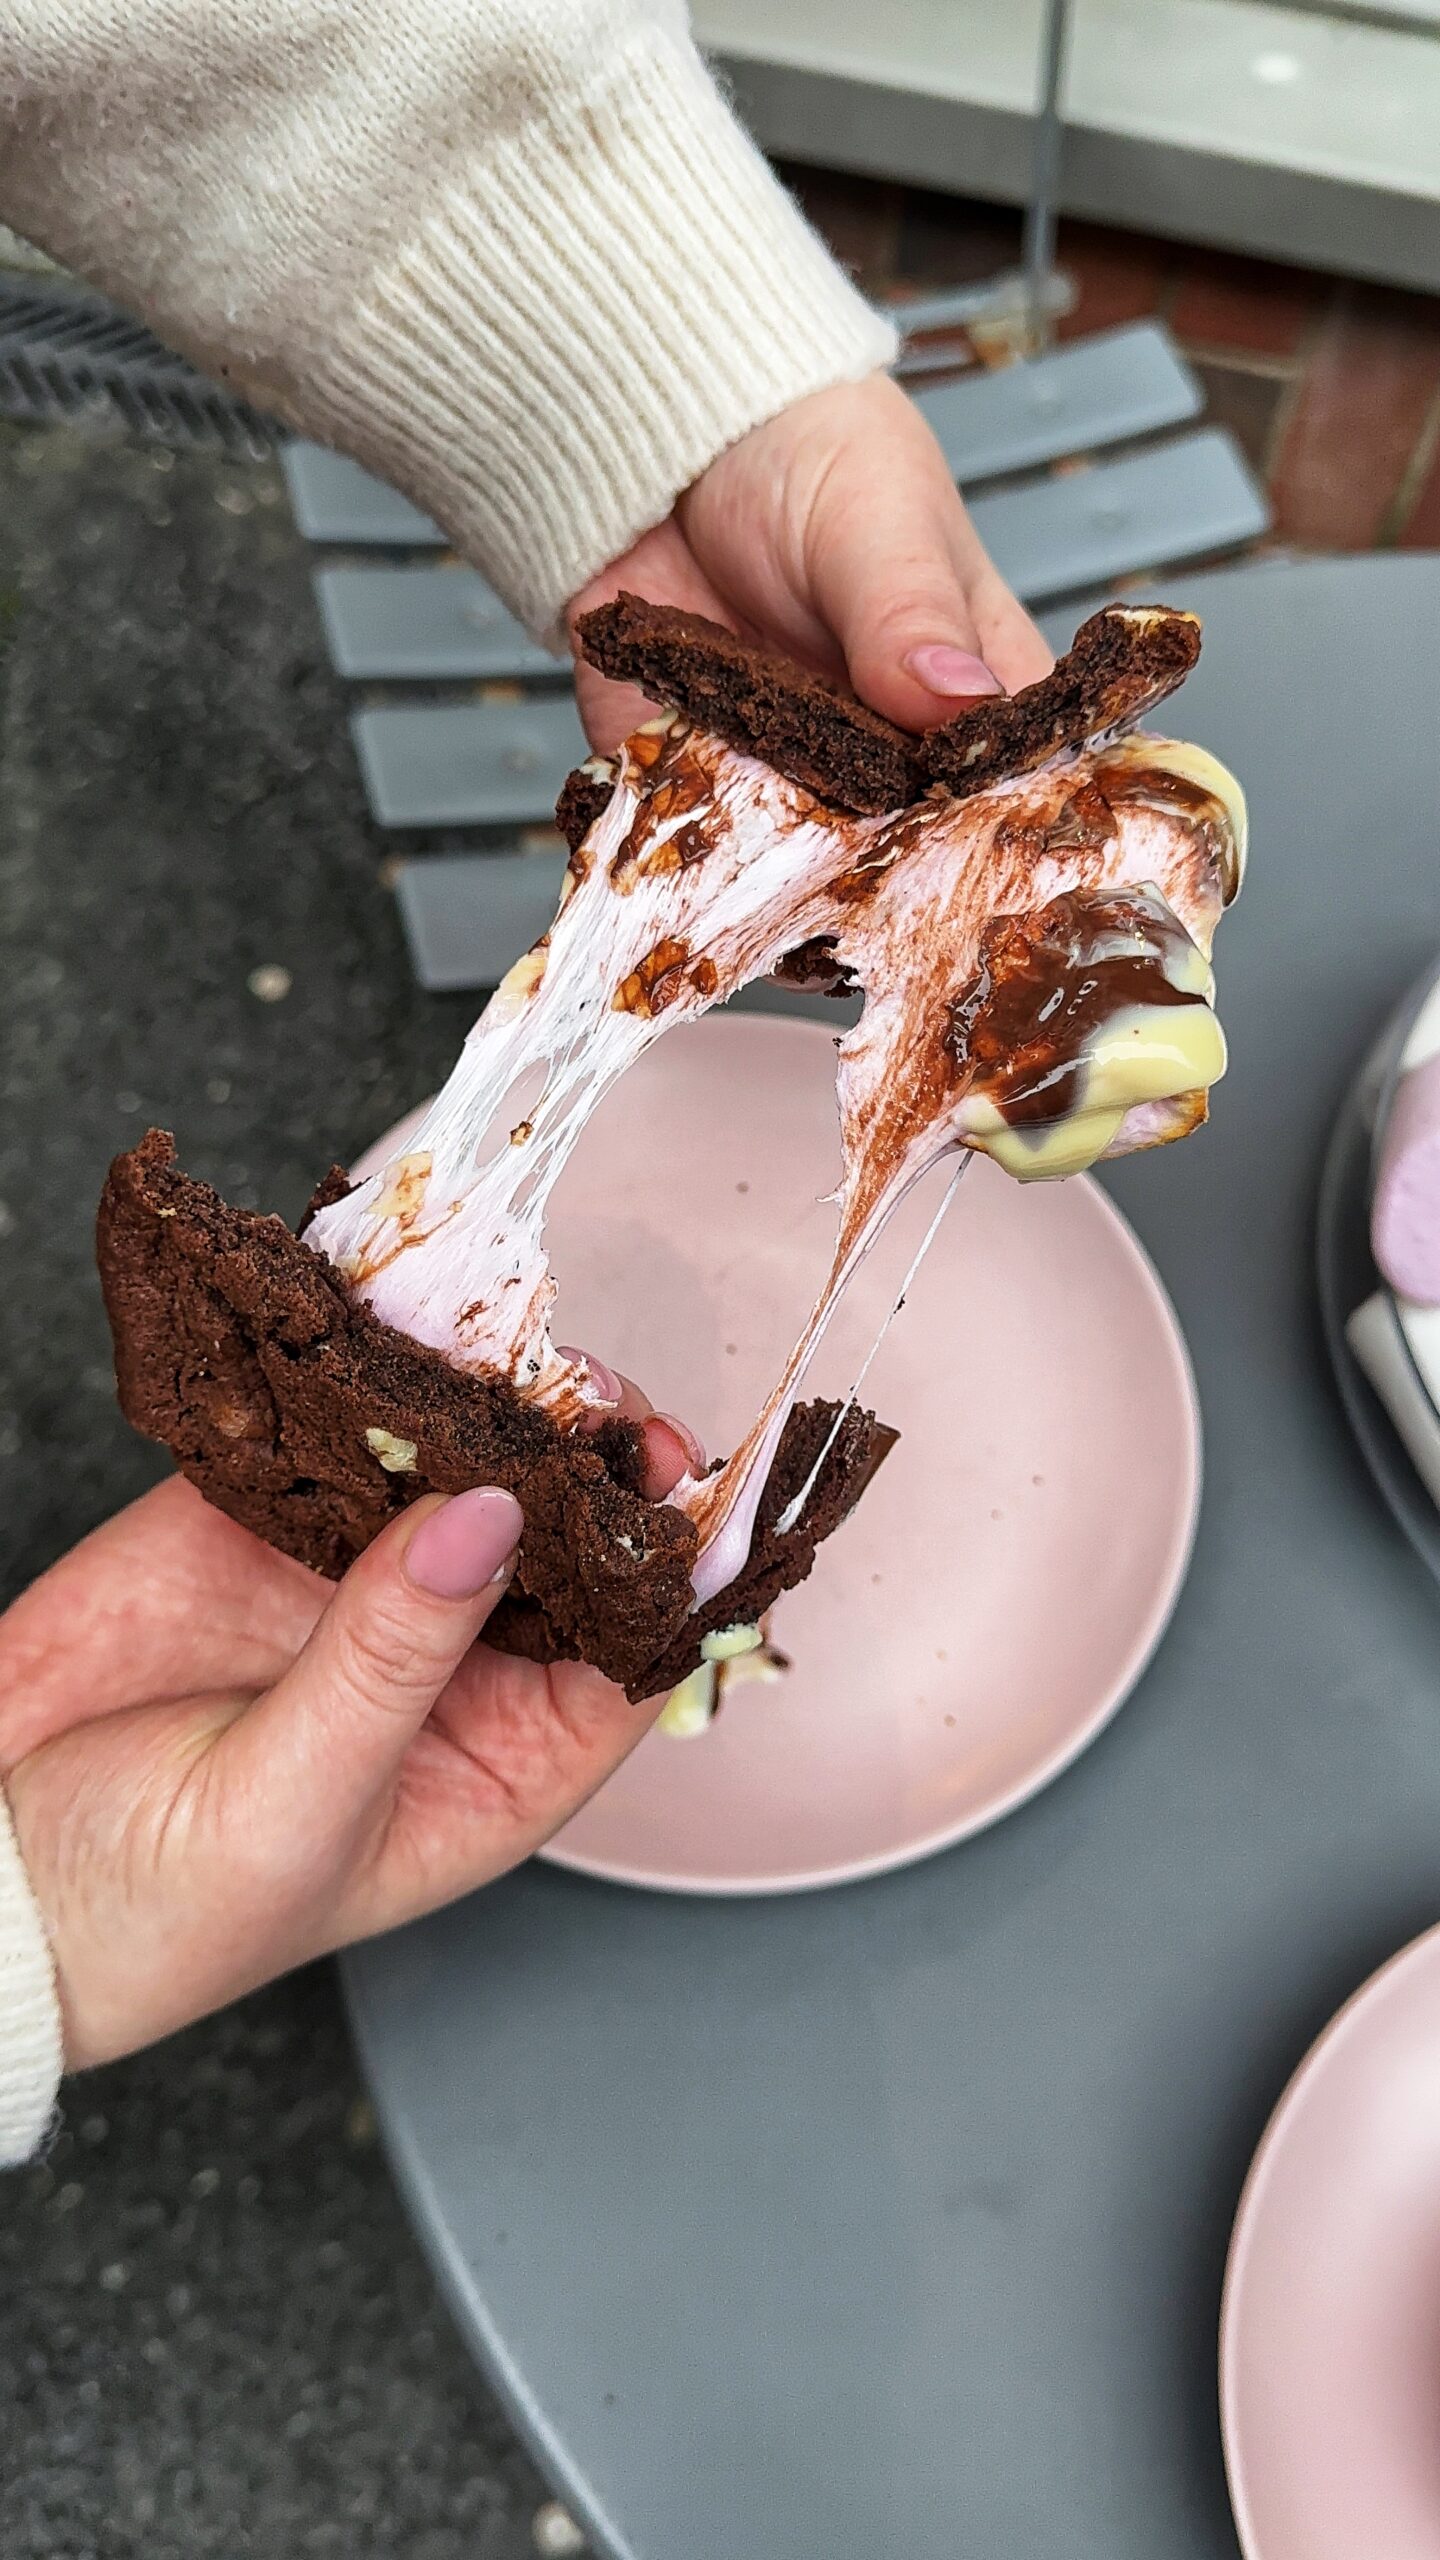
981	932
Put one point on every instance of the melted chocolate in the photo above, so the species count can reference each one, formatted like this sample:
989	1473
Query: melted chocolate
1045	985
677	781
814	966
1083	823
884	845
1174	793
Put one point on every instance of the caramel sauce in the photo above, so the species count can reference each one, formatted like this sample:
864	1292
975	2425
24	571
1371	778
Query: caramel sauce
681	787
1083	823
1045	984
646	747
655	981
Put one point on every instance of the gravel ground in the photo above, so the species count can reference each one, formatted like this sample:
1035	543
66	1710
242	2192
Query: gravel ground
216	2334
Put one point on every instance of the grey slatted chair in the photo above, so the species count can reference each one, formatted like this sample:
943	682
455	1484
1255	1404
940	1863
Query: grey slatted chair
1149	496
400	619
1082	465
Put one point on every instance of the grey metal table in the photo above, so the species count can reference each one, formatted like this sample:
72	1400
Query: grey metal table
893	2220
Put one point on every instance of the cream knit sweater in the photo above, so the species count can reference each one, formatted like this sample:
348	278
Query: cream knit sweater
514	255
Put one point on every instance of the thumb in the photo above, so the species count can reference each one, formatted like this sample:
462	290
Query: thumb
329	1738
898	573
662	567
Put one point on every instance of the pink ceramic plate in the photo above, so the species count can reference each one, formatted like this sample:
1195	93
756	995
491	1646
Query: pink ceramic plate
1330	2332
1013	1565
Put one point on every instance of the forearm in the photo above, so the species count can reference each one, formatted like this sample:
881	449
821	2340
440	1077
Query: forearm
30	2031
515	255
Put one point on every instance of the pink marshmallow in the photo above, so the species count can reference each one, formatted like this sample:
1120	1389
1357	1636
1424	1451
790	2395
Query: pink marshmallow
1405	1221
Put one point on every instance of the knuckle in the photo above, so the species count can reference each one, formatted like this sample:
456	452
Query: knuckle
380	1655
927	607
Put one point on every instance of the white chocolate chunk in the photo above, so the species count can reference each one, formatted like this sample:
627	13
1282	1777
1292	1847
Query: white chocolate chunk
396	1456
727	1642
690	1707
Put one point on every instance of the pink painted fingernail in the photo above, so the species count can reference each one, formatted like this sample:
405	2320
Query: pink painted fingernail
460	1550
952	672
693	1448
607	1386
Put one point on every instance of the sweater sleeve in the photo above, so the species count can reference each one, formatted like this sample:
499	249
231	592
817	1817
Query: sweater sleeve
517	256
31	2042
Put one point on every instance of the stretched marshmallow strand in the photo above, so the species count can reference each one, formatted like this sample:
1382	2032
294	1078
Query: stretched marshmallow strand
1035	967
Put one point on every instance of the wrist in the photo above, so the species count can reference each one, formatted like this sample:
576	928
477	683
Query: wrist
31	2032
622	292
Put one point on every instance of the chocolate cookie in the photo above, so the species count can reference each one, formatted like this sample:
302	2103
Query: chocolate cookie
758	701
1120	663
296	1411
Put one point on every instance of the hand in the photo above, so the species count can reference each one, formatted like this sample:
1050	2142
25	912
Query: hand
220	1765
833	532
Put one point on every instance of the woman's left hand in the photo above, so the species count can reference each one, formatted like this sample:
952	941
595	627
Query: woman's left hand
219	1765
835	533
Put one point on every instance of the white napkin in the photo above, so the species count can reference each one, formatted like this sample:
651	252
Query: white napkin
1373	1334
1379	1332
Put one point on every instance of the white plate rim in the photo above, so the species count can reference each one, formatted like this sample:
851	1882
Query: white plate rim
1251	2203
1141	1654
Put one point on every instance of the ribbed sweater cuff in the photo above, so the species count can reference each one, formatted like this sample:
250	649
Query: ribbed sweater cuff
31	2039
562	350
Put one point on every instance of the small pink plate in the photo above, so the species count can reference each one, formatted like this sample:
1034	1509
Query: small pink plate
1330	2329
1011	1569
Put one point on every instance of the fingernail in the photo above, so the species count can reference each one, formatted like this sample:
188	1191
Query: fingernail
459	1551
692	1447
607	1386
953	672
